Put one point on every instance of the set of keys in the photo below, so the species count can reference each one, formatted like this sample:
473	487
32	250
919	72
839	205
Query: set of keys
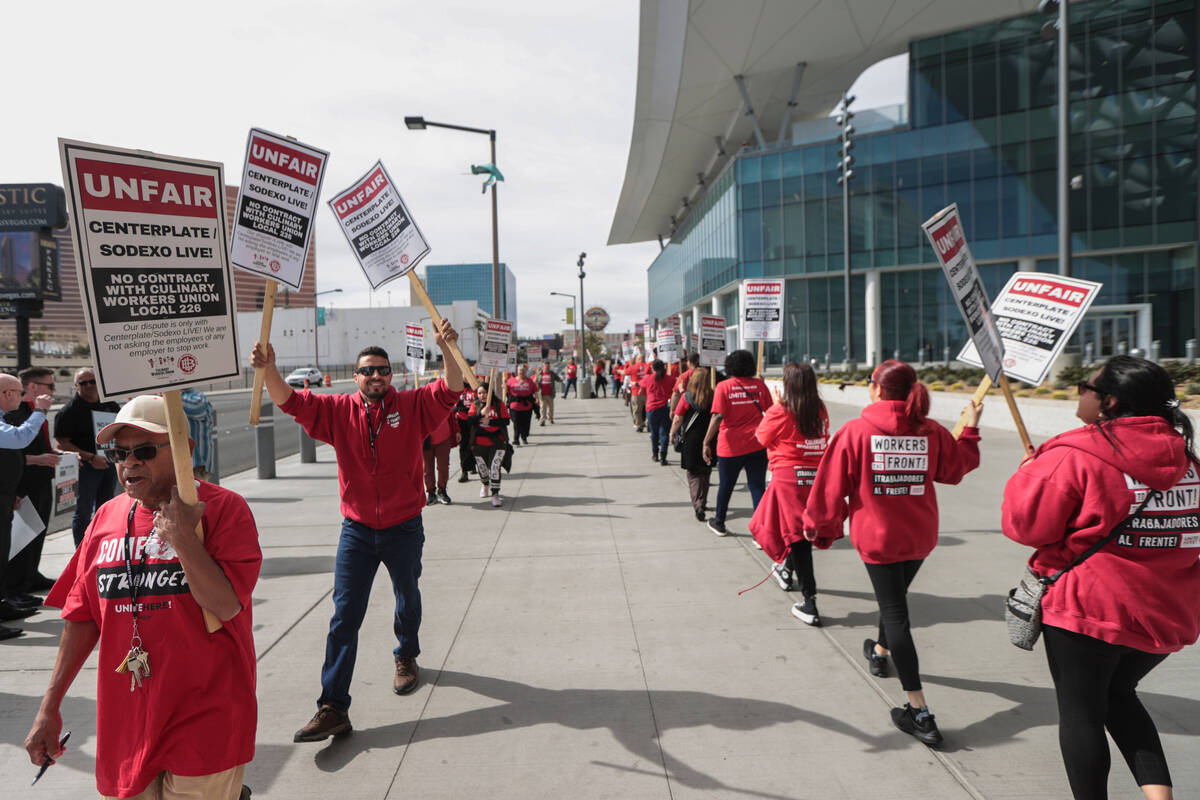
137	664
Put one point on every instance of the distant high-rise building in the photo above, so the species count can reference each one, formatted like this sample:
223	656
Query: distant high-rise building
449	282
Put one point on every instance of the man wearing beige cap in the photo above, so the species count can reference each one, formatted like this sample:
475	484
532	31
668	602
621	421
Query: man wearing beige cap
175	706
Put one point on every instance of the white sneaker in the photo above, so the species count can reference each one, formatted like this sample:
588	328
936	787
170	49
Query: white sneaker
485	490
496	501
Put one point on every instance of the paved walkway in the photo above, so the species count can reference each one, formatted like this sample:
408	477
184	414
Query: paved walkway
587	640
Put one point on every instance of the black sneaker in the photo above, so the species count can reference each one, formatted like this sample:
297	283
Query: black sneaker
806	612
463	477
717	526
700	515
431	498
918	723
443	498
663	460
878	663
654	456
783	576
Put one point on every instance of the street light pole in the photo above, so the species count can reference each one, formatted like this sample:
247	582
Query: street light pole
845	162
420	124
316	341
573	303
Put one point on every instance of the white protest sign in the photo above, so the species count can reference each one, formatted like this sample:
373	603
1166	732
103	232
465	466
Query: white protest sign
693	343
668	351
497	333
761	304
511	365
66	482
273	221
99	420
627	350
1036	315
712	341
153	265
945	233
414	348
26	525
384	236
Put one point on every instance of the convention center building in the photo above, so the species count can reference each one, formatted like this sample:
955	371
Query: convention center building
735	160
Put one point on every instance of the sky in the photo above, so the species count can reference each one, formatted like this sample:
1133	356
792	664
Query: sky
555	80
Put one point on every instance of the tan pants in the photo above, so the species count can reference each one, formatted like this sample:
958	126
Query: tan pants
225	785
639	410
547	407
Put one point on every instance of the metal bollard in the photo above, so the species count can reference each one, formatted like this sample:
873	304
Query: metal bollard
308	447
1156	350
264	442
1190	349
215	475
1089	353
896	354
946	355
1122	348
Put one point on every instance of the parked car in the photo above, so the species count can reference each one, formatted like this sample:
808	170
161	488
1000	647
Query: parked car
299	376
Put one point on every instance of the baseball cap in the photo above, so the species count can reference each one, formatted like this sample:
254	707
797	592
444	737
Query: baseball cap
147	412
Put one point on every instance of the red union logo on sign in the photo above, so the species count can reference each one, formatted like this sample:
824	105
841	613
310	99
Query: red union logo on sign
187	363
1051	291
774	287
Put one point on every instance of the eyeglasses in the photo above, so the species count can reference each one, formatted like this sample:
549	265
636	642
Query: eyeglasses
1084	386
86	383
46	385
145	452
367	372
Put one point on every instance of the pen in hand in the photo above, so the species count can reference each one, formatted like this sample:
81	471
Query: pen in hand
46	764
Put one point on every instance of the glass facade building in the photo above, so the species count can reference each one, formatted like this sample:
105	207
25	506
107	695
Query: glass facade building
981	132
449	282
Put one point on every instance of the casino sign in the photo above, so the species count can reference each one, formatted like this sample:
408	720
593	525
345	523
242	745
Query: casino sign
596	319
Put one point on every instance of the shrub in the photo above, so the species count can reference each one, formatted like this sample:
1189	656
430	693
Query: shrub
1059	396
1192	388
1042	390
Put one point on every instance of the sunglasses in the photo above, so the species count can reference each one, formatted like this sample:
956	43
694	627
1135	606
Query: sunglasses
1084	386
46	385
85	383
145	452
369	371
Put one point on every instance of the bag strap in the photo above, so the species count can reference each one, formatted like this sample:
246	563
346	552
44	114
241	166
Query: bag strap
1091	551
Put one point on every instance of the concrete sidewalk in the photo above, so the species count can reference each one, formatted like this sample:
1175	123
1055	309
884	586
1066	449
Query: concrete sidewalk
587	640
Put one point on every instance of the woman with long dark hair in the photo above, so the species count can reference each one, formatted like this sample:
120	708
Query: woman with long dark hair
692	414
738	404
886	463
658	386
795	431
1114	617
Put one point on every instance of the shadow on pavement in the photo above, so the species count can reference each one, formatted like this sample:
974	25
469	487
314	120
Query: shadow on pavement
78	716
620	711
926	609
296	565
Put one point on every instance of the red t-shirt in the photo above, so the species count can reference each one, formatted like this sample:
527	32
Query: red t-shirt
490	431
546	382
658	391
520	394
572	371
741	403
681	384
636	373
196	713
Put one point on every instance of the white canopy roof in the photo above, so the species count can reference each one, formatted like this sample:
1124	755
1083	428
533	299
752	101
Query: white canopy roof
690	116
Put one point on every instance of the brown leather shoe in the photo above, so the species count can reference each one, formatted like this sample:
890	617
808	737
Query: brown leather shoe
406	675
328	721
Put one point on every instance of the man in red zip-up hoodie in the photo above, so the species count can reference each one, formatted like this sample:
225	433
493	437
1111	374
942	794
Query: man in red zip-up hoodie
377	434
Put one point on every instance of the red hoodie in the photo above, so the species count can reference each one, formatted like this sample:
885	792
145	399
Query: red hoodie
382	482
787	447
1141	590
887	470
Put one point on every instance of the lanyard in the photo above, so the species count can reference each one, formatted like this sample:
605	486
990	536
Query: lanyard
129	573
373	432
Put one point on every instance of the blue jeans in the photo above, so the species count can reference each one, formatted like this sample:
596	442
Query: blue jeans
360	552
568	386
95	488
660	429
729	468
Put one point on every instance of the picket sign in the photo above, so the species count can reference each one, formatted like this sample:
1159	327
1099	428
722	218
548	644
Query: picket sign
760	357
185	480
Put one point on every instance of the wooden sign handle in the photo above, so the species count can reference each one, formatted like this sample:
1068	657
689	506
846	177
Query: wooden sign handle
1016	415
760	357
422	295
980	393
181	455
264	339
487	404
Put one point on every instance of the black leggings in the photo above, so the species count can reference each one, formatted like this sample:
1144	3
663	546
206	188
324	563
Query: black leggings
1095	683
891	583
799	560
521	424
